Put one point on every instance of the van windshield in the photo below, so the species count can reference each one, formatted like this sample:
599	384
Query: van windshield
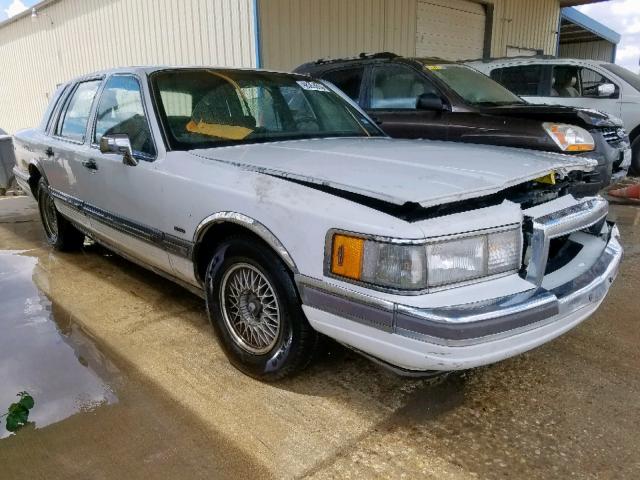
628	76
204	108
474	87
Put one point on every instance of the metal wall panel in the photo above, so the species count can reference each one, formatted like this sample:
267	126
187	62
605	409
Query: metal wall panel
297	31
600	50
73	37
450	29
526	24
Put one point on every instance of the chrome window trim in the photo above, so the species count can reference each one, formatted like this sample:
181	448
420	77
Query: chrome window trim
64	107
94	117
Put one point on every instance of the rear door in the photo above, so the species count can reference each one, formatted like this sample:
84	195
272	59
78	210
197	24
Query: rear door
68	147
393	91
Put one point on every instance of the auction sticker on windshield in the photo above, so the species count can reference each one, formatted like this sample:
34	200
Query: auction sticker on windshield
318	87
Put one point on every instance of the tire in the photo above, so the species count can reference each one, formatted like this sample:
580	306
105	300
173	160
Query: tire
253	306
60	233
634	169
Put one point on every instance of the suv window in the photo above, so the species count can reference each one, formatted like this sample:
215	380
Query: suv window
398	87
348	80
525	80
73	124
120	111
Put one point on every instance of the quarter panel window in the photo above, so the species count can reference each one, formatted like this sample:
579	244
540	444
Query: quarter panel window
348	80
73	125
121	111
398	87
590	81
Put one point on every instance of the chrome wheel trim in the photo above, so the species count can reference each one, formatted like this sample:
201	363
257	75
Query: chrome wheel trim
250	308
49	216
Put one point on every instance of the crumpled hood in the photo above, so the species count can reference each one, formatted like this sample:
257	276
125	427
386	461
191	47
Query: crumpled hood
399	171
582	117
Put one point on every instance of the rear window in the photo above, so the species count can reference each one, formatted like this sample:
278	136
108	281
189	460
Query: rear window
628	76
73	123
348	80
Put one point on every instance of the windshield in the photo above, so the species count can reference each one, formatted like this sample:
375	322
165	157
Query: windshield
473	86
628	76
207	108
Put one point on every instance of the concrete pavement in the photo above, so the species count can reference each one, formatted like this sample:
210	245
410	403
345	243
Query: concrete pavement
569	409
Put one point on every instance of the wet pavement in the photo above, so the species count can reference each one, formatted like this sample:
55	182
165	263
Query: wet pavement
129	382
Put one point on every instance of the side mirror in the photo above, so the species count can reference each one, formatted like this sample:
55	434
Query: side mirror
429	101
606	90
119	144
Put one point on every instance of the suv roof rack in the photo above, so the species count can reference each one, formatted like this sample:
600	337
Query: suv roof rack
361	56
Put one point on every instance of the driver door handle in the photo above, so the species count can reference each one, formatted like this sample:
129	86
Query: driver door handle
90	164
49	152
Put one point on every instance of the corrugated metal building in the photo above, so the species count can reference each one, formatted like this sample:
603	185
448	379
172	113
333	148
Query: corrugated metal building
583	37
70	37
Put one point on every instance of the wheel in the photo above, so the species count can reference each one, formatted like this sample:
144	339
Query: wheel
255	310
634	169
60	233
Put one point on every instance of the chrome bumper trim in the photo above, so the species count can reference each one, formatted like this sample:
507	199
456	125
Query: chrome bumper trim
473	323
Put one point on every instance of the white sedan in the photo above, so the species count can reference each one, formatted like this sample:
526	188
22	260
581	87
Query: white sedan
282	204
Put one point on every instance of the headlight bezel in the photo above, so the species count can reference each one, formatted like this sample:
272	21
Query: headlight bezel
423	242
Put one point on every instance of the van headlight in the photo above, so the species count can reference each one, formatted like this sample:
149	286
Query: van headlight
420	266
569	137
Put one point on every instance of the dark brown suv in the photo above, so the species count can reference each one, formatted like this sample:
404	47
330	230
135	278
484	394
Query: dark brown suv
435	99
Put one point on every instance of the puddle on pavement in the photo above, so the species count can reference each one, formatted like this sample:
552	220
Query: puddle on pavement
91	418
43	352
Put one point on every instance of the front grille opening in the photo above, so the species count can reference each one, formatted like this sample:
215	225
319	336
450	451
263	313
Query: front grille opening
561	252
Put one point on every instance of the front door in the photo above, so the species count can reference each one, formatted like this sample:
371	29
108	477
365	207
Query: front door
392	100
127	201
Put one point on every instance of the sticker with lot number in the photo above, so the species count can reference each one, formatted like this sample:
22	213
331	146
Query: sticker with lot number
315	86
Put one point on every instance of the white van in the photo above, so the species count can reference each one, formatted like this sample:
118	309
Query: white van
577	83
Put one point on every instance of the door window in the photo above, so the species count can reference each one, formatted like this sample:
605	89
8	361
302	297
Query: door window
121	111
73	125
524	80
398	87
348	80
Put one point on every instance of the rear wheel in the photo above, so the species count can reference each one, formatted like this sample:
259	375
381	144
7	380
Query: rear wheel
60	233
634	169
254	308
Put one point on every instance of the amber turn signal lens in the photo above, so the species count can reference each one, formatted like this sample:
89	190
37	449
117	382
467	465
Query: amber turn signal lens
346	256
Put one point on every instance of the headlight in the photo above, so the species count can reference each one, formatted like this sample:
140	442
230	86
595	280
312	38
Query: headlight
426	265
569	137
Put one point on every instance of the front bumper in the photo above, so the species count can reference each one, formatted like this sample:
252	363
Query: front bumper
462	336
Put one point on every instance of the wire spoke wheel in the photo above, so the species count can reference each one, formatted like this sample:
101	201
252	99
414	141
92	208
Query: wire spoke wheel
250	308
50	216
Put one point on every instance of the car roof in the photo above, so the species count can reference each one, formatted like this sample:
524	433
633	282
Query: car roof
323	64
527	60
147	70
